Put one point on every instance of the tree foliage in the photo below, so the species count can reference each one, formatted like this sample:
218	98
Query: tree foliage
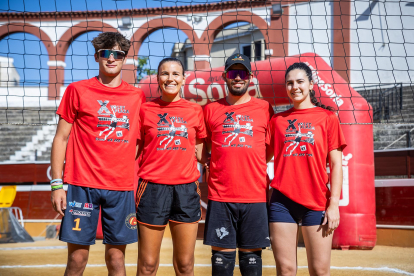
141	71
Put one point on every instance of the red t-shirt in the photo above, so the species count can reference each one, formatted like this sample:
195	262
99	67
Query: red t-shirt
169	131
238	154
301	140
102	142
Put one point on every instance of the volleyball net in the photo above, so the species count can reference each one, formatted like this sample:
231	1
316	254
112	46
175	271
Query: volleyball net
365	48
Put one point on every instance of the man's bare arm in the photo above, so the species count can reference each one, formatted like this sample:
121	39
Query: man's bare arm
60	142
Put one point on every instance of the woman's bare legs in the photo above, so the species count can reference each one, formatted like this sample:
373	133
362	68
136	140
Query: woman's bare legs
318	243
284	239
184	237
149	245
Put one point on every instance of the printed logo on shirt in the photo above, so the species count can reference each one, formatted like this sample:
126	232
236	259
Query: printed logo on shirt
234	127
111	121
88	206
221	232
170	130
297	134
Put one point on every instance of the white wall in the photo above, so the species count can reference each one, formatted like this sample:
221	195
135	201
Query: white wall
27	96
310	29
382	46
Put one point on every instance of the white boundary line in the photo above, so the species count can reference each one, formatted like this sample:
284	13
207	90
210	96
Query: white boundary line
360	268
379	226
384	226
380	183
34	247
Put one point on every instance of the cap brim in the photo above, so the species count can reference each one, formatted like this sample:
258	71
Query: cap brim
237	63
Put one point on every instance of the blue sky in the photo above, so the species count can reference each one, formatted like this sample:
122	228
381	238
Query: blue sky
30	55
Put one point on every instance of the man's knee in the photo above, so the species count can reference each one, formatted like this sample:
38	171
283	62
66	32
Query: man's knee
115	258
223	262
78	254
250	263
77	261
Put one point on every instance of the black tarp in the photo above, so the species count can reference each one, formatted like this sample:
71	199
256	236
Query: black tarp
10	229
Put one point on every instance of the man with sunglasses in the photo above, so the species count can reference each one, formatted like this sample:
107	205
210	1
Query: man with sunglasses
96	137
237	212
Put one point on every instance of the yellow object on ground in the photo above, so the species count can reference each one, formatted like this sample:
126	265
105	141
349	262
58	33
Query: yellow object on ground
7	195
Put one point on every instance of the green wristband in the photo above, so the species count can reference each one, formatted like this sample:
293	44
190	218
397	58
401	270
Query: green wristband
56	184
57	187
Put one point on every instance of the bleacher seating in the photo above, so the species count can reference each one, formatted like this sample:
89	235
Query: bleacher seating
25	134
397	125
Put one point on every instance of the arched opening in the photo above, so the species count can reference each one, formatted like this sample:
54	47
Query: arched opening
239	37
160	44
79	59
229	26
24	79
24	57
166	42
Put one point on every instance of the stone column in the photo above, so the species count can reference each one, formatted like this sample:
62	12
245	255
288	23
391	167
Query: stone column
201	62
342	39
278	34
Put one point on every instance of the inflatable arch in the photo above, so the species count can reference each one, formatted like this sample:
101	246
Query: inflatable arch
357	228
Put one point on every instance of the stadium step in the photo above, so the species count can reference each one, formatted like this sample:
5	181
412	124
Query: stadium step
26	135
386	134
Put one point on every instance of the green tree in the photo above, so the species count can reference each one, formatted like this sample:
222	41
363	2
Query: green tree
141	71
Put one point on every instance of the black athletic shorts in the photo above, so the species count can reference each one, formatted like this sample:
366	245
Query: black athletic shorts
283	209
159	203
119	225
237	225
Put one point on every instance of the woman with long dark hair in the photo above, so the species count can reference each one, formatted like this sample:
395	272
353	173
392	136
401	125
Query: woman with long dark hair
304	138
171	142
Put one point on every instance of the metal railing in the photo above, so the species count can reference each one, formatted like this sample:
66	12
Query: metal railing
385	99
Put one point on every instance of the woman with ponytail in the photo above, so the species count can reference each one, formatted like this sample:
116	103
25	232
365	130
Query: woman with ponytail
304	139
171	141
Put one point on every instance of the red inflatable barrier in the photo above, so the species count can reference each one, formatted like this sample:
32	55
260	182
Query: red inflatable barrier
357	228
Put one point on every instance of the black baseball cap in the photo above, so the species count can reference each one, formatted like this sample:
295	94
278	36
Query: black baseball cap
238	59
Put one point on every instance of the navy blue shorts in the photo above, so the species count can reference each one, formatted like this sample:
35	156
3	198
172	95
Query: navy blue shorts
159	203
119	224
283	209
236	225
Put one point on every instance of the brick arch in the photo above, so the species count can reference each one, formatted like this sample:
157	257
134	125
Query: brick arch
156	24
218	24
19	27
73	32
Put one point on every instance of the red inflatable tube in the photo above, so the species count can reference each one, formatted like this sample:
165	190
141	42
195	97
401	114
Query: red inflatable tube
357	227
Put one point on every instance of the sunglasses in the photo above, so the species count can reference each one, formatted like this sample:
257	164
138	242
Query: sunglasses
243	74
104	53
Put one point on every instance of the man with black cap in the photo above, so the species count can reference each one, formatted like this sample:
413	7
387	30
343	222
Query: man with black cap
236	213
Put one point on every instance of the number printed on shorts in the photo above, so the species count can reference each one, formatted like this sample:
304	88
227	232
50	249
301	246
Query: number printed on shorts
76	228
